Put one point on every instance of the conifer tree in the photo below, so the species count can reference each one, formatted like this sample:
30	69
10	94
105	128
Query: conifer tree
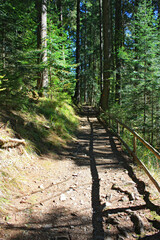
141	71
107	54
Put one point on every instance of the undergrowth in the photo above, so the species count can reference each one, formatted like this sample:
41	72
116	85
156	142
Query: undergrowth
46	125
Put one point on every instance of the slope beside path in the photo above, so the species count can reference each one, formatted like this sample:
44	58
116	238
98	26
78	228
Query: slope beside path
91	191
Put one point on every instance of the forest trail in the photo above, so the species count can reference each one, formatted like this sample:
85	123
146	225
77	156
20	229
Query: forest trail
91	192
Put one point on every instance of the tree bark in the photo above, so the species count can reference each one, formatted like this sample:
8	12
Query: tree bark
85	60
44	42
107	54
41	6
60	12
118	44
3	48
101	46
38	9
76	97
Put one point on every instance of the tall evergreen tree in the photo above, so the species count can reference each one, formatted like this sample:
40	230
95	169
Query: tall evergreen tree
118	44
77	88
107	54
141	71
44	42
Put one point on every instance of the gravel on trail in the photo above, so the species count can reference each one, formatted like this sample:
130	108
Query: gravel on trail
91	191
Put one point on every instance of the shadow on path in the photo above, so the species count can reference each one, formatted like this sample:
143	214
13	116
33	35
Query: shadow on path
139	184
98	232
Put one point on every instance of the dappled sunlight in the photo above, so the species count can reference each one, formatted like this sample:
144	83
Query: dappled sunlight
87	190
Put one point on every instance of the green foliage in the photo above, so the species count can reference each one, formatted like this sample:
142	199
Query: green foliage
60	115
60	60
18	50
20	65
143	153
141	75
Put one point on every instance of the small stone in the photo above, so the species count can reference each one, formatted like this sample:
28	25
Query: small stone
70	190
41	186
103	195
75	175
134	236
132	197
74	214
23	201
137	197
63	197
107	204
85	229
81	202
130	183
128	211
47	226
124	199
73	198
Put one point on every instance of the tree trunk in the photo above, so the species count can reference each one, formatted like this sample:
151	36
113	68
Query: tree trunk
59	4
76	97
85	60
44	42
101	46
3	39
107	55
39	10
60	12
118	41
3	48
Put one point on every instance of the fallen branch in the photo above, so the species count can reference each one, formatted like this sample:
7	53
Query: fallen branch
9	141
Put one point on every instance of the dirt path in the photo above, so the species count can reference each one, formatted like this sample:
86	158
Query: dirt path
90	192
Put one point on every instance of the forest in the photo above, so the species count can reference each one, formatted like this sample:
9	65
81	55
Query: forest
79	119
98	53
